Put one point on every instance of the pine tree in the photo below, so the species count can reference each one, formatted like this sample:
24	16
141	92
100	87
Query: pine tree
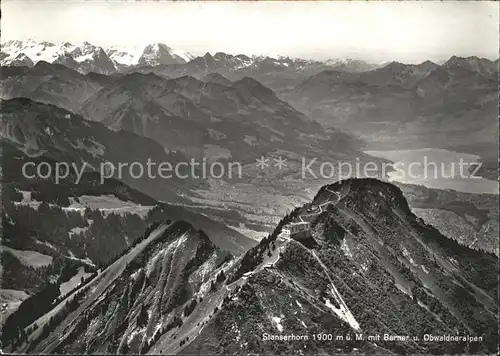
221	276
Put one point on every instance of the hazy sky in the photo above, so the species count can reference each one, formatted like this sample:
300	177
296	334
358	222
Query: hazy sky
376	32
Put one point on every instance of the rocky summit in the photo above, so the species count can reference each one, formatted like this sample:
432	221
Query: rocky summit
366	273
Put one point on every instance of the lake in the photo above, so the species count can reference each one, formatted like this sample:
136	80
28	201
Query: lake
436	168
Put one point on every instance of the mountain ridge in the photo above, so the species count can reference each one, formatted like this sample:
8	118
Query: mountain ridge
87	57
284	286
420	102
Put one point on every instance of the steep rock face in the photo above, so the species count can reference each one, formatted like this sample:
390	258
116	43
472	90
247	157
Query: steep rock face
97	62
158	53
375	267
127	304
450	212
368	267
56	233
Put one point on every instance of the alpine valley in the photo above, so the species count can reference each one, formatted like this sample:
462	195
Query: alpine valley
136	264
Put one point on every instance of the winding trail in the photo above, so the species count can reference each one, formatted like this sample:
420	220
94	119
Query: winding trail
343	312
475	240
320	206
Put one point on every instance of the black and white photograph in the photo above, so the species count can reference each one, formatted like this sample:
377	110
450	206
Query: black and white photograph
249	177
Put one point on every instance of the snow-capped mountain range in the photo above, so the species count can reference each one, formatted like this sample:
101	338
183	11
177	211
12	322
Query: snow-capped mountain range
90	58
153	54
87	57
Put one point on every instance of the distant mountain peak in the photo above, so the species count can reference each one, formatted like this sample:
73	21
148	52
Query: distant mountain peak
456	60
42	64
216	78
249	81
256	88
428	62
89	57
350	64
221	55
159	53
482	66
428	65
242	56
395	65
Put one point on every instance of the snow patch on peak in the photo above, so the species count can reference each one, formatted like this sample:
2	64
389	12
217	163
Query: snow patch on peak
344	314
406	253
125	55
183	54
277	321
157	53
23	52
345	248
